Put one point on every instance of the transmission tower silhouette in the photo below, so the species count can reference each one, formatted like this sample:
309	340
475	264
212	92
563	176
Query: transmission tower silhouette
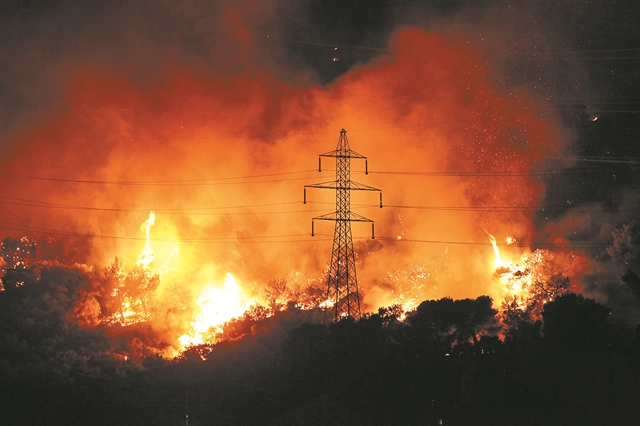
342	283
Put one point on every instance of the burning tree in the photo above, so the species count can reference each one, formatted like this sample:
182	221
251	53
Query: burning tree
529	301
528	292
130	293
528	286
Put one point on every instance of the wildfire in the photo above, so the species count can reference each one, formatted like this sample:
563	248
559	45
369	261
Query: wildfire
177	304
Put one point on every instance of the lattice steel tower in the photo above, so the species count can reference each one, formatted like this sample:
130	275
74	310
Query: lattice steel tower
342	282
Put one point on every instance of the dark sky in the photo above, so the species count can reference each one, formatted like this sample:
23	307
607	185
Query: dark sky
575	52
578	60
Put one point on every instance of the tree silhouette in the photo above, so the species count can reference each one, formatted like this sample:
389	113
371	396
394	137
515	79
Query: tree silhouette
443	324
573	322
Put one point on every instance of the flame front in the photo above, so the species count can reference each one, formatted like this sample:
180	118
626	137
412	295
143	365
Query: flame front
218	305
141	293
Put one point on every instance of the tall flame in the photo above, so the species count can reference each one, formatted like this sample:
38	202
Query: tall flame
516	278
498	262
146	255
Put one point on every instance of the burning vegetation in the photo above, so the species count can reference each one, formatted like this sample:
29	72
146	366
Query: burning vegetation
151	317
156	253
109	339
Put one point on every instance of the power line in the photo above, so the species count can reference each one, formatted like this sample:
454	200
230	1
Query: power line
535	54
265	135
193	182
239	180
34	203
216	210
219	240
594	159
574	172
286	238
211	211
506	209
516	244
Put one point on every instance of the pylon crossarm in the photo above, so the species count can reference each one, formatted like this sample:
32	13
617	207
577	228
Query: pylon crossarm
324	185
355	217
352	186
328	216
356	186
342	154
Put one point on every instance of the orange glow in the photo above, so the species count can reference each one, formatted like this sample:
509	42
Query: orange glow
222	159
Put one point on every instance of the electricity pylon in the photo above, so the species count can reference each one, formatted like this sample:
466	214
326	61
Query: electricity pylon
342	282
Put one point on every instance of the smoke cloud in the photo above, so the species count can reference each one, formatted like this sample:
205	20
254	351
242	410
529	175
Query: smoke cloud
212	114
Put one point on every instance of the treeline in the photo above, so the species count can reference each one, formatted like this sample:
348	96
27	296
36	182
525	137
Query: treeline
458	361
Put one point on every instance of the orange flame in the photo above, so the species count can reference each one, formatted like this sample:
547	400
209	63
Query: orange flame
217	305
146	256
513	277
498	262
